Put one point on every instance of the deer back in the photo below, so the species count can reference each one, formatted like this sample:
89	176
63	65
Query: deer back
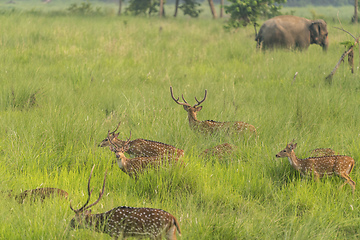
327	165
320	152
41	194
148	148
219	151
141	222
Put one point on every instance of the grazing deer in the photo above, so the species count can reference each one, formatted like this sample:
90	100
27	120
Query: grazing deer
321	152
219	151
40	193
135	166
320	166
142	147
210	126
126	221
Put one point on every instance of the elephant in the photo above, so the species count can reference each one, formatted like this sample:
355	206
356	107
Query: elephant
292	32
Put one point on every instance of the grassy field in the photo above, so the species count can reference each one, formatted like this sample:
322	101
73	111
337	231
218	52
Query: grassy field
66	80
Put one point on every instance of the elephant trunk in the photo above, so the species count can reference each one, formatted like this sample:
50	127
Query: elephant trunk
325	44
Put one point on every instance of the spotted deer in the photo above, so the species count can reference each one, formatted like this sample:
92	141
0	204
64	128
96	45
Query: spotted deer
135	166
219	151
41	194
122	222
320	166
141	147
210	126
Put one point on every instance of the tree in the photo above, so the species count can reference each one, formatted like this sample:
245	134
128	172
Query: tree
137	7
189	7
212	8
244	12
356	11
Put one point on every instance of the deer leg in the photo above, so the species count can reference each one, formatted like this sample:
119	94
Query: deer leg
171	233
349	181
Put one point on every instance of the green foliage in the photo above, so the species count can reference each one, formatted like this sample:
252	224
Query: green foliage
347	44
83	8
138	7
303	3
244	12
190	7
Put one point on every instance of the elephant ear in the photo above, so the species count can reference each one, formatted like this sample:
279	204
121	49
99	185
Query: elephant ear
317	28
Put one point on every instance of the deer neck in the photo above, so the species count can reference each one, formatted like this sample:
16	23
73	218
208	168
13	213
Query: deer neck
294	161
98	221
193	122
121	160
118	142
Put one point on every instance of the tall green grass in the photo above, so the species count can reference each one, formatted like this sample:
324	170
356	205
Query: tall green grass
66	80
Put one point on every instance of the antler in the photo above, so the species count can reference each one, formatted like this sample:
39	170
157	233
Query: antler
177	100
201	100
115	146
115	129
84	207
185	102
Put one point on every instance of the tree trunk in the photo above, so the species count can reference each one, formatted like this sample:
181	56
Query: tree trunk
221	8
161	10
356	12
212	8
176	7
119	12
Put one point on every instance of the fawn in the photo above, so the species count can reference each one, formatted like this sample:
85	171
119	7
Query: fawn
141	147
135	166
122	222
320	166
210	126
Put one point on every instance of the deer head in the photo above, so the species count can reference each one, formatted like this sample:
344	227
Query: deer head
192	110
119	150
111	135
83	217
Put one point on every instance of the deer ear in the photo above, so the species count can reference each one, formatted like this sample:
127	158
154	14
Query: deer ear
116	135
186	108
293	146
198	108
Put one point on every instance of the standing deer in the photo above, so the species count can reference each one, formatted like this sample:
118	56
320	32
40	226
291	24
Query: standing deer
135	166
141	147
125	221
210	126
320	166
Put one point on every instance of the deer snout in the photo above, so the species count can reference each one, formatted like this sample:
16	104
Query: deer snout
277	155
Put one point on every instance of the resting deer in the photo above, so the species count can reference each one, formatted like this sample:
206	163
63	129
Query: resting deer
219	150
142	147
320	166
40	193
210	126
135	166
123	222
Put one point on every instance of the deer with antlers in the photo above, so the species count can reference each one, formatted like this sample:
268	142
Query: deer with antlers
320	166
210	126
123	222
141	147
134	166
